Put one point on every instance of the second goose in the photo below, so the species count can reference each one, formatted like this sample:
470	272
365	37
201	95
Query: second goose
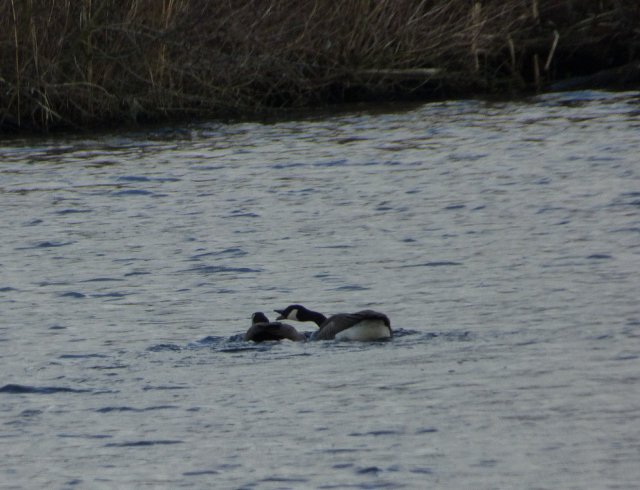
361	325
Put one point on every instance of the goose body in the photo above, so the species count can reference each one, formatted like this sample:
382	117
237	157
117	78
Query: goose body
362	325
262	330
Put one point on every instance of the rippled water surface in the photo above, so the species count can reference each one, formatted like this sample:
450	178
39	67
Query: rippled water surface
502	239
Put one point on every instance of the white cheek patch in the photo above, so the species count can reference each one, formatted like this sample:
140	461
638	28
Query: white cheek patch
293	315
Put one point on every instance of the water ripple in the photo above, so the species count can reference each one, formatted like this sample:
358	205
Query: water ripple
132	409
143	443
220	269
16	389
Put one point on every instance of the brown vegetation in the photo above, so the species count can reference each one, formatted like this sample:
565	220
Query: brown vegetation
82	63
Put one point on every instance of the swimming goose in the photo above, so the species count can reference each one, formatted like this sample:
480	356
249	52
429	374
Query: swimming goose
262	330
362	325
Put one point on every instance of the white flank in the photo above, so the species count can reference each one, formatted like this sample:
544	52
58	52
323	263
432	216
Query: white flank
365	330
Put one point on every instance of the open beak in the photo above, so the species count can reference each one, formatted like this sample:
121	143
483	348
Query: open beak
281	313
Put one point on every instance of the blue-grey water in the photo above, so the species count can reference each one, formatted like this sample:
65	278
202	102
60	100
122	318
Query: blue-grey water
502	239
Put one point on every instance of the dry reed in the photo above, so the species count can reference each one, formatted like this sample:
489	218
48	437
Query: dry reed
82	63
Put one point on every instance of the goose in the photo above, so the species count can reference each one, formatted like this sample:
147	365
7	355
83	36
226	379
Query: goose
361	325
262	330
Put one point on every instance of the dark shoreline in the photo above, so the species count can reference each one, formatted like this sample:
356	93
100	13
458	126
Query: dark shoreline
108	65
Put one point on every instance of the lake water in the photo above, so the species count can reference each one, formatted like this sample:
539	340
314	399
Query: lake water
502	239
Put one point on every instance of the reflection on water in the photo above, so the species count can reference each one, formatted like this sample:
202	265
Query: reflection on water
502	240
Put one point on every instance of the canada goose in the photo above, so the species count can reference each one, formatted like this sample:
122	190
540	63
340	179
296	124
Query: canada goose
262	330
361	325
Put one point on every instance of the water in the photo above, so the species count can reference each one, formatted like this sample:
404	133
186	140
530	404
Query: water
502	239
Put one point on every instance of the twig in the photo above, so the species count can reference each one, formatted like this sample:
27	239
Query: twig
536	71
556	38
512	53
17	46
475	16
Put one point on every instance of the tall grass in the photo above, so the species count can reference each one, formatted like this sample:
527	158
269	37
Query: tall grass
83	63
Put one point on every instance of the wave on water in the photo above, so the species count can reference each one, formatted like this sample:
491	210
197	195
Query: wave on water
142	443
16	389
132	409
216	269
45	244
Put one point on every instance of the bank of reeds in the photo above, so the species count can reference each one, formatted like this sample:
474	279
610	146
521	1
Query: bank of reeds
86	63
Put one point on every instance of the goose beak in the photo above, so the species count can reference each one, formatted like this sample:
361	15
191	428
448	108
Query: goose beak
281	313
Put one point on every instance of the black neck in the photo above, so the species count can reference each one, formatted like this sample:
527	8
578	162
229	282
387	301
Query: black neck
314	316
